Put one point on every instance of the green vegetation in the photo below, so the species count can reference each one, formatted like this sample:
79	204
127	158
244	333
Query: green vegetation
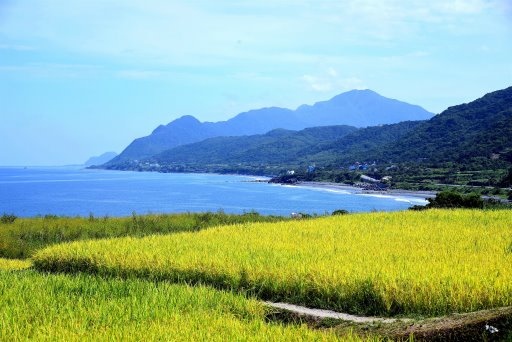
72	308
452	200
429	263
468	146
7	218
264	154
340	212
21	237
360	108
275	147
506	181
14	264
449	199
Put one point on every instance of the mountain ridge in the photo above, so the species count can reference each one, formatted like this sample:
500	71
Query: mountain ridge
469	143
342	109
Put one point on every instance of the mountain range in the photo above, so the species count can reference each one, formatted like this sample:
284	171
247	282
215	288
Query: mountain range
477	134
358	108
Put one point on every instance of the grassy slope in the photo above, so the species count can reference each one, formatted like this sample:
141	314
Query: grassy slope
14	264
67	308
21	238
431	263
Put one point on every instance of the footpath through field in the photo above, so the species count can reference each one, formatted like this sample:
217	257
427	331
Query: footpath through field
319	313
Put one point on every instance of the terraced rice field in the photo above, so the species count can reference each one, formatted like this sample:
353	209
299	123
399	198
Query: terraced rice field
14	264
429	263
19	239
76	308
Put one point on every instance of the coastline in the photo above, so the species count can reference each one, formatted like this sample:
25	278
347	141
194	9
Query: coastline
355	190
330	186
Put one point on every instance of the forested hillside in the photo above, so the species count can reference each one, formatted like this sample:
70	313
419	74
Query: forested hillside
466	144
359	108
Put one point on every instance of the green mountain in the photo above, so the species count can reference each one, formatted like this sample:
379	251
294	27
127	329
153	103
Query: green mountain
466	144
324	146
366	144
479	130
277	147
476	134
329	146
358	108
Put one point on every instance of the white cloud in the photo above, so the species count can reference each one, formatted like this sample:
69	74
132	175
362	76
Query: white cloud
465	6
317	83
331	81
202	33
335	45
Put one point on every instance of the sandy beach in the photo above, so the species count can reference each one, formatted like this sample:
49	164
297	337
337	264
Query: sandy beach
356	190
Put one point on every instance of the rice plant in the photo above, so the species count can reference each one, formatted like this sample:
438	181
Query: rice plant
429	263
21	237
14	264
82	308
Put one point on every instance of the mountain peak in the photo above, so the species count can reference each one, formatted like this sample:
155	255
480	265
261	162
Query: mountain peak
187	119
357	94
184	121
359	108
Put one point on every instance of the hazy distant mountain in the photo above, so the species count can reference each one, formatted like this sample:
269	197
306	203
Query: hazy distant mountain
357	108
473	136
99	160
188	129
360	108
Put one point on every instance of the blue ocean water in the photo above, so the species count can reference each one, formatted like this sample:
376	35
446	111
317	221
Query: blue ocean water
69	191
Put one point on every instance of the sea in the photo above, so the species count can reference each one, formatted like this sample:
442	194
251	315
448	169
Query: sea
75	191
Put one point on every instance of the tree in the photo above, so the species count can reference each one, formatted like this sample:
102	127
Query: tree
506	181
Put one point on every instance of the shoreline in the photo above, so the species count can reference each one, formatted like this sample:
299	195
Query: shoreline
324	185
355	190
319	185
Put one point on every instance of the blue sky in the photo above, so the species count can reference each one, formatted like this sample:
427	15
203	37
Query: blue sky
78	78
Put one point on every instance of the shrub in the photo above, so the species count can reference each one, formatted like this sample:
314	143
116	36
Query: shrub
340	212
418	207
8	218
450	199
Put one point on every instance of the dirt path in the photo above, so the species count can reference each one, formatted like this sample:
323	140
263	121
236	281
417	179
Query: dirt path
488	325
318	313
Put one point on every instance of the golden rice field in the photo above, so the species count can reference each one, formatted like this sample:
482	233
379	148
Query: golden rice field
19	239
14	264
88	308
430	263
